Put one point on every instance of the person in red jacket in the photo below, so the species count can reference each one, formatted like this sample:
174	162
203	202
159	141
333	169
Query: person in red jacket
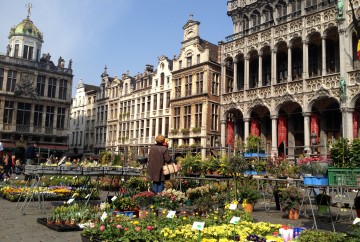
158	156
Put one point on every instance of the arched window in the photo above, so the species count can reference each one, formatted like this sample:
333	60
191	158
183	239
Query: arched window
162	78
125	89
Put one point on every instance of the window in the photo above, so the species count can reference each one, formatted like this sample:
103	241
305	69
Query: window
187	116
215	84
143	104
162	79
188	85
167	99
23	113
229	84
189	61
51	87
166	132
214	117
28	52
155	102
161	101
160	126
199	82
296	6
1	78
153	127
60	123
180	64
11	81
62	89
38	112
16	51
49	120
8	112
148	103
177	118
198	114
177	87
40	86
198	59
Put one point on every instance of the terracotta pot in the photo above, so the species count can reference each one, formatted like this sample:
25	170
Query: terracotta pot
248	207
294	214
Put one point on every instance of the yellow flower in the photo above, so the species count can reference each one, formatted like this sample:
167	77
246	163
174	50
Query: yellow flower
136	222
184	218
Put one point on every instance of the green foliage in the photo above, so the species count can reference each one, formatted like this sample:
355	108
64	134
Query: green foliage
290	198
105	157
355	152
320	236
253	143
248	190
191	163
135	185
340	154
118	161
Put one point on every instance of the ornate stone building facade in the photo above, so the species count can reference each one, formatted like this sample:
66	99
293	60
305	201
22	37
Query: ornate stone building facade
82	119
290	74
35	93
195	98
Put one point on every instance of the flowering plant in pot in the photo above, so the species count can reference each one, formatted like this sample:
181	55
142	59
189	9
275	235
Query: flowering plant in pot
290	199
169	199
144	199
314	165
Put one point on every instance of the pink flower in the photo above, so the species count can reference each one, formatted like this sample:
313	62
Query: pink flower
150	227
119	226
102	228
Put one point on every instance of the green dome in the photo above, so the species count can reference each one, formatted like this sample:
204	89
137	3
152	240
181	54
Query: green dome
26	28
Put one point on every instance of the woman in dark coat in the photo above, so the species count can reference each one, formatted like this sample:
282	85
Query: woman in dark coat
158	156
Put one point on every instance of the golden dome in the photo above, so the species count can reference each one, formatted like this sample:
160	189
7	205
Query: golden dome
26	28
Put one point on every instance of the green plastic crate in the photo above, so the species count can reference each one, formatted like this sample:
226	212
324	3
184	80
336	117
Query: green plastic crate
344	176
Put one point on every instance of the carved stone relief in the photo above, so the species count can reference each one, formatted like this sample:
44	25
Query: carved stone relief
295	87
281	30
295	26
330	14
313	20
279	90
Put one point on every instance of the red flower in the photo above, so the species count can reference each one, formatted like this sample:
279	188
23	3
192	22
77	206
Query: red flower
150	227
102	228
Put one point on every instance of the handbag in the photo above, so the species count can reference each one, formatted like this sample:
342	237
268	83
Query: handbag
170	169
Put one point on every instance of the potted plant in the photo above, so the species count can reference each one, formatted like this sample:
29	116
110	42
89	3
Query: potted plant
253	144
185	131
290	201
248	194
314	169
323	202
191	164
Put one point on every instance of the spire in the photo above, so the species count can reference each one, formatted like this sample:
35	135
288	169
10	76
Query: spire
191	16
105	72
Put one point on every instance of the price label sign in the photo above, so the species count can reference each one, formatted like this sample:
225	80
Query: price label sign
103	216
70	200
357	220
171	214
233	206
198	225
235	220
113	198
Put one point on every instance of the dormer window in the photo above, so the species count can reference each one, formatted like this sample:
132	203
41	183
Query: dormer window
188	61
28	52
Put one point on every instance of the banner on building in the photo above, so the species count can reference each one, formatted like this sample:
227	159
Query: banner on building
314	125
230	133
282	130
355	124
254	127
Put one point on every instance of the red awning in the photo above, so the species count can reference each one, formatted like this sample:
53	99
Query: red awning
8	144
53	147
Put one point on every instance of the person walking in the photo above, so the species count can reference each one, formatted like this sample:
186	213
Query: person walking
7	166
31	154
158	156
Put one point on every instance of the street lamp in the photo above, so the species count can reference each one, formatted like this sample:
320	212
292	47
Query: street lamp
313	137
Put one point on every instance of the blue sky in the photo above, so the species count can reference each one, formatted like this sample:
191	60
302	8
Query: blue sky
123	34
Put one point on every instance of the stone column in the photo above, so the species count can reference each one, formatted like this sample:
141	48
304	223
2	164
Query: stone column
289	78
305	73
235	85
274	148
260	82
307	148
246	129
347	122
223	79
223	132
343	55
32	118
273	65
323	54
246	79
55	117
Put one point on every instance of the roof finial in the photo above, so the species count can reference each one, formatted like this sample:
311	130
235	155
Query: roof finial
29	6
105	69
191	16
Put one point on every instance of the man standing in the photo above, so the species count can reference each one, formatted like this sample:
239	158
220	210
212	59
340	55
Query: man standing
158	156
31	154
